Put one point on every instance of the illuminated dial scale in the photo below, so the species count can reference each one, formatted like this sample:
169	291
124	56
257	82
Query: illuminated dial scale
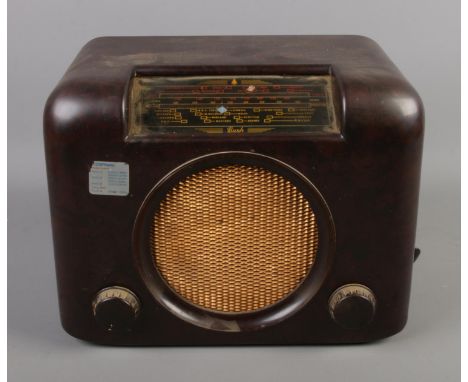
231	105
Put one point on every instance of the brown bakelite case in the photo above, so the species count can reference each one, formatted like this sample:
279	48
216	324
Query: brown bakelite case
359	170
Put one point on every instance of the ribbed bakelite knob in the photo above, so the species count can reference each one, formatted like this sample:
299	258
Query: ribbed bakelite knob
116	308
352	306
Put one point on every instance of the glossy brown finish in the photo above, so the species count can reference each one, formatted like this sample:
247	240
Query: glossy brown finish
368	176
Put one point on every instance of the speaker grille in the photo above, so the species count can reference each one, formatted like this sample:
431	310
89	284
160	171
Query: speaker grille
234	238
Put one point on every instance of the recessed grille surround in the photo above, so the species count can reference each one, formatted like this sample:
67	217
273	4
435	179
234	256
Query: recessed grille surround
234	238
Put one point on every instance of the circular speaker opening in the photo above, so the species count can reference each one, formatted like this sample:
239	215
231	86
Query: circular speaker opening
233	241
234	238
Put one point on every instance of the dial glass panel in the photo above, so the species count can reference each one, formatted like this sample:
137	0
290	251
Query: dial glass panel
231	105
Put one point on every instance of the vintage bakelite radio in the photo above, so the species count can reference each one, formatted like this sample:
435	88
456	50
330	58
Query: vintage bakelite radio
233	190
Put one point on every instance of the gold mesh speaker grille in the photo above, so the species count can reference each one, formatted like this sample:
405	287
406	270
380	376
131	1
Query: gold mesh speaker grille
234	238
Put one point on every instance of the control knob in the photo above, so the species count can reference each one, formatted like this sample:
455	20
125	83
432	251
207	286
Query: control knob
352	306
116	308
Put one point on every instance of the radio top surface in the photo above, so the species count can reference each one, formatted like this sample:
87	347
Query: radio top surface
244	87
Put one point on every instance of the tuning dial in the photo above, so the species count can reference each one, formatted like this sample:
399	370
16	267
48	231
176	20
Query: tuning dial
352	306
116	308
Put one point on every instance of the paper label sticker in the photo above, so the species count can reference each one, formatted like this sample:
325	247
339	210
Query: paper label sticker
109	178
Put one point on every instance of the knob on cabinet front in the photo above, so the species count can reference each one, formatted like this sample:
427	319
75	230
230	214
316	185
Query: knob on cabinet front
116	308
352	306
